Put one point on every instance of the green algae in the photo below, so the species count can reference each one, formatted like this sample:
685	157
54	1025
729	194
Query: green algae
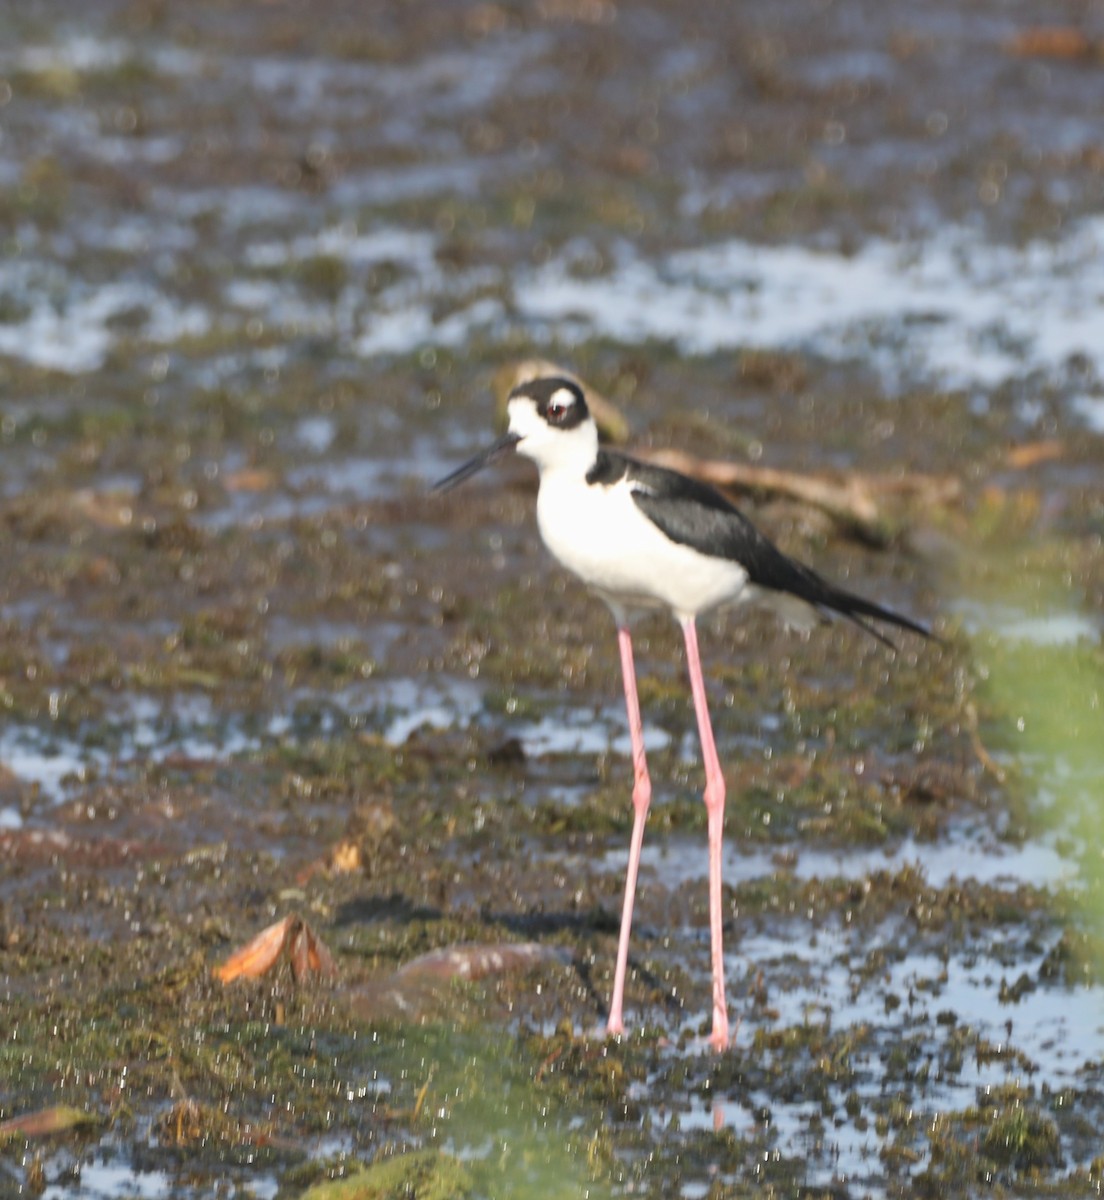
426	1173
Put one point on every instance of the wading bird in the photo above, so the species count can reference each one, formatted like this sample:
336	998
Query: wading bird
642	536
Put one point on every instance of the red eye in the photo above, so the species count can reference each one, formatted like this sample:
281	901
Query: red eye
556	411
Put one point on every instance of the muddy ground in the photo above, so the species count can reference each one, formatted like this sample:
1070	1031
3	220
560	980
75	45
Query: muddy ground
259	266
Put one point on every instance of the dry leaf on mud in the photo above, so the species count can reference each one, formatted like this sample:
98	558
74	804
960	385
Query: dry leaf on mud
1050	41
292	935
1030	453
46	1121
477	960
249	479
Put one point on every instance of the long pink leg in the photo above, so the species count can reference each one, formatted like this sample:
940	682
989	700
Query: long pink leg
641	798
714	806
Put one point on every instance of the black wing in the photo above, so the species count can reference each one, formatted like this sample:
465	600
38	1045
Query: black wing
696	515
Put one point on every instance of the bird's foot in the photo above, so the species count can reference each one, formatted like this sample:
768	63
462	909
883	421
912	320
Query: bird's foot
614	1028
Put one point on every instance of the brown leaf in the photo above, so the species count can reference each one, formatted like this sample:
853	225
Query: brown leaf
249	479
309	955
346	857
477	960
1027	455
1050	41
321	960
258	955
415	990
46	1121
368	835
306	952
298	947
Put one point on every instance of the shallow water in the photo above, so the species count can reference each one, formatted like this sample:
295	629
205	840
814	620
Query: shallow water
972	854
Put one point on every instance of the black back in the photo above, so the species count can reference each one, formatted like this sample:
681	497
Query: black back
696	515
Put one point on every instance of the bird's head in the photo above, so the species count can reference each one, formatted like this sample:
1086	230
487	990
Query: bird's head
549	423
552	424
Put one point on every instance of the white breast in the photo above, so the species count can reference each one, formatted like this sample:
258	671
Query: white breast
599	533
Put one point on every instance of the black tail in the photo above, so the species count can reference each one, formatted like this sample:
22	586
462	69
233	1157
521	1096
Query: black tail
778	572
861	612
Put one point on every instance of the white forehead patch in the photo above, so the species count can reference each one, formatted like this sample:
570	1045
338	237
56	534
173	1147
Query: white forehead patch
523	415
562	396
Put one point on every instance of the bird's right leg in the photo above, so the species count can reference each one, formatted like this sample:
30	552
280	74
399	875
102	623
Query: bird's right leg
641	798
715	806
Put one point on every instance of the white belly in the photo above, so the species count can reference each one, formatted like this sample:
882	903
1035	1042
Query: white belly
600	535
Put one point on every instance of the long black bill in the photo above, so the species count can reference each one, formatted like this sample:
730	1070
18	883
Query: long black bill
505	443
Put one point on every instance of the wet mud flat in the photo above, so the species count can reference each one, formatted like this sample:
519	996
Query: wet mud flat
260	268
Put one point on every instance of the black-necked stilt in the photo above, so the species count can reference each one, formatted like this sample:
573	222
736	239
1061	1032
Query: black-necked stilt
645	536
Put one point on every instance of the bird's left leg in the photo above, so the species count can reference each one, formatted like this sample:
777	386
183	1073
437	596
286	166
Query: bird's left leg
714	805
641	798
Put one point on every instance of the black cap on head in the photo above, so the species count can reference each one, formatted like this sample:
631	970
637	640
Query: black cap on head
560	401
